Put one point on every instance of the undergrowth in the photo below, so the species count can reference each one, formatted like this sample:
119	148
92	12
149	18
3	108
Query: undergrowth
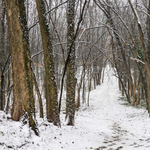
142	104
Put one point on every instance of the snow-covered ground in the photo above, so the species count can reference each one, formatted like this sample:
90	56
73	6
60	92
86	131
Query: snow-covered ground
106	124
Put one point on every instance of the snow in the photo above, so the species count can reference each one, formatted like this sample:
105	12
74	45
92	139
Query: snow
106	124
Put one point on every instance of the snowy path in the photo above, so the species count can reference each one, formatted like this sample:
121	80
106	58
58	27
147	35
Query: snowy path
105	125
113	126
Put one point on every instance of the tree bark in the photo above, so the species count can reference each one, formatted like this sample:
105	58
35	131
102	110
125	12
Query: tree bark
2	53
70	93
39	95
146	59
51	88
23	104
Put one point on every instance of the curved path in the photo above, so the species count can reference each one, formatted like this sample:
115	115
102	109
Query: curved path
115	125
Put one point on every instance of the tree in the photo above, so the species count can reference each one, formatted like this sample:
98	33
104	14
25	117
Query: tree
70	81
146	57
23	104
51	88
2	53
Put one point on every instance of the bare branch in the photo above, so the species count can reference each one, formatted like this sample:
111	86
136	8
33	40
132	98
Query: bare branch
137	60
47	14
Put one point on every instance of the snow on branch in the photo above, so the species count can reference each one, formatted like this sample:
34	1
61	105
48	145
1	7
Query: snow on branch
85	29
137	60
143	11
135	13
37	54
47	14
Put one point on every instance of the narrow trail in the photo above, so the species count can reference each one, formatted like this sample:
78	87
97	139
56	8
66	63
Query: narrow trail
121	127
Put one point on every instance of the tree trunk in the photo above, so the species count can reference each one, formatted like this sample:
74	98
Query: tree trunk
103	71
9	89
119	85
70	93
39	95
146	59
122	90
2	91
83	89
89	86
139	92
23	104
134	85
2	53
51	88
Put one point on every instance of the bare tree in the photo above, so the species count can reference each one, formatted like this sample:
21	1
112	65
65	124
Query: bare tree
51	88
23	104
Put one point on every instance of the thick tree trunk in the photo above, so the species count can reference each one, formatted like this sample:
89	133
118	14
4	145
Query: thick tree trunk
51	88
23	104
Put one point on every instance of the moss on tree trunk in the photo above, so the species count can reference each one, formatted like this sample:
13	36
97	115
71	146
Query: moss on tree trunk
70	82
51	88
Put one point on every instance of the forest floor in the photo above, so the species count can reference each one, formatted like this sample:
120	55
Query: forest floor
107	124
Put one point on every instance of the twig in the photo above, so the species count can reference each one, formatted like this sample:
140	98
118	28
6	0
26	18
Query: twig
48	13
137	60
